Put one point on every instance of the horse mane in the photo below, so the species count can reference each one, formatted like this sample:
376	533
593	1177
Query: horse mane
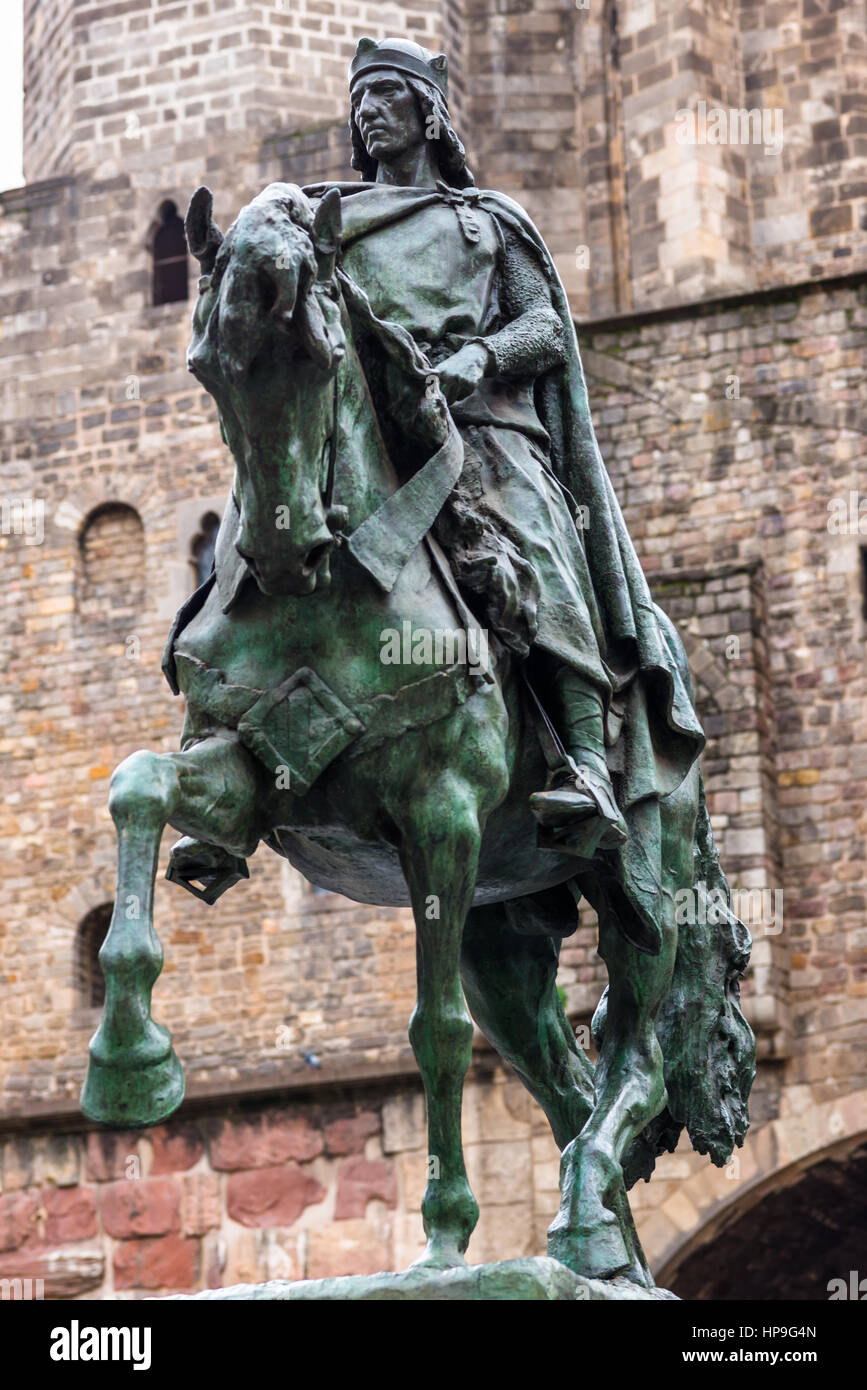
707	1045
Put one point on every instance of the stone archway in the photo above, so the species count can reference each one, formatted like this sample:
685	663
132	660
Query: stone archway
788	1216
793	1243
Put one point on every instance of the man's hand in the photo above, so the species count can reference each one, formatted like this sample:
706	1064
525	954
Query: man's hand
461	373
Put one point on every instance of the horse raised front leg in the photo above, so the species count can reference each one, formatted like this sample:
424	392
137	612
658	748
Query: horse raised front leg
134	1077
441	840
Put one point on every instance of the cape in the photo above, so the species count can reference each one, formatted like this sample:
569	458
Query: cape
662	736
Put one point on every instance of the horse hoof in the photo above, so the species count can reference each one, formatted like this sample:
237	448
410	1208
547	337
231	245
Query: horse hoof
132	1097
440	1253
596	1252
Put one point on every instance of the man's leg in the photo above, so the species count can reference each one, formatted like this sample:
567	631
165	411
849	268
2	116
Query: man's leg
578	807
514	543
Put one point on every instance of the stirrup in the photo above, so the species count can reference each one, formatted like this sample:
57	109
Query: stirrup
578	794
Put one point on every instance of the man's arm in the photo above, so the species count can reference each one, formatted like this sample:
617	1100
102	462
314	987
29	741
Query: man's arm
532	340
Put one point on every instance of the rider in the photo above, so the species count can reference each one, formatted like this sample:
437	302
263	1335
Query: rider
532	526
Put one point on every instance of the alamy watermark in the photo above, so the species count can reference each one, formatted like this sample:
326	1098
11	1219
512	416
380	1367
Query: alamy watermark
427	646
719	125
21	1290
23	516
756	907
77	1343
847	516
855	1289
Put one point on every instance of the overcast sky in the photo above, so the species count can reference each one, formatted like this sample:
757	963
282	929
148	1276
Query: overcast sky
10	94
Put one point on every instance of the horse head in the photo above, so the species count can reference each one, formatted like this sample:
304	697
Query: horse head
267	343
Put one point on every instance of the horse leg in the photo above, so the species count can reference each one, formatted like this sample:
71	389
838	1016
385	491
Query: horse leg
592	1232
510	981
209	791
441	838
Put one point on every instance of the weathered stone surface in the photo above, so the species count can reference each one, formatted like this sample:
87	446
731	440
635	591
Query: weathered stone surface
70	1214
271	1196
144	1207
166	1263
174	1148
271	1138
18	1163
17	1218
58	1160
531	1280
64	1273
349	1134
359	1180
201	1209
403	1124
108	1155
359	1245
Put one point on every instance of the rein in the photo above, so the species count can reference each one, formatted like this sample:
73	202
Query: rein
328	492
383	543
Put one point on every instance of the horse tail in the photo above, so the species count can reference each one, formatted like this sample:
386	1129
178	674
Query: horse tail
708	1048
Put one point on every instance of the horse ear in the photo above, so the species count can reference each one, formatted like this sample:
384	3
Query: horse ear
312	331
327	225
203	235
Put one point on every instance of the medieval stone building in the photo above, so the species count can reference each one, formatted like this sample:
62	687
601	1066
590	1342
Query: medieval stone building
699	170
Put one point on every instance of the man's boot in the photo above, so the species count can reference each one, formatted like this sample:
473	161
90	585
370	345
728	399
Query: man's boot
577	808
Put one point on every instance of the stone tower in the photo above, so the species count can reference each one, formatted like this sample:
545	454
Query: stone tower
700	174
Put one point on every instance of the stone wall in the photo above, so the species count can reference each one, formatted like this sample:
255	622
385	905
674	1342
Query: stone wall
316	1187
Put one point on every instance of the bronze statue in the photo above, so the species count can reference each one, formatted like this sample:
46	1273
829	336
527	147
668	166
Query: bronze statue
398	380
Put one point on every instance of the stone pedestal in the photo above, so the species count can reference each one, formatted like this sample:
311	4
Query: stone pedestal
536	1280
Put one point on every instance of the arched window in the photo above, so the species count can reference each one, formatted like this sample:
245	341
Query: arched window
202	548
168	245
89	980
112	585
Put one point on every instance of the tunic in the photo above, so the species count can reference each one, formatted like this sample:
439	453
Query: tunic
508	528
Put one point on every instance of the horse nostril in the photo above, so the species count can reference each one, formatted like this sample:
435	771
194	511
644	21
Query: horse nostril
314	557
248	561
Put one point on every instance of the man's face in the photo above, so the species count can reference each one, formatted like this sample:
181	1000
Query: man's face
387	114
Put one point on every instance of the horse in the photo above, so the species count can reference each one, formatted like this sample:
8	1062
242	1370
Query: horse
396	786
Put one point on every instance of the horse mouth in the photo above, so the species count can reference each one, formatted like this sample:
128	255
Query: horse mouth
292	585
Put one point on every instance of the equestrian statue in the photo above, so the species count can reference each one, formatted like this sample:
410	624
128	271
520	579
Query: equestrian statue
398	381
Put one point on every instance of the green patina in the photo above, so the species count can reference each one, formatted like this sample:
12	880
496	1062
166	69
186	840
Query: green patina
399	384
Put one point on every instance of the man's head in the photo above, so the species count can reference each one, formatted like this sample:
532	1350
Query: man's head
398	93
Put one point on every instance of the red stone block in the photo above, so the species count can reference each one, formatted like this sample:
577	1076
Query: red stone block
108	1155
271	1196
70	1214
348	1135
169	1263
175	1148
63	1273
147	1207
18	1219
272	1138
361	1179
